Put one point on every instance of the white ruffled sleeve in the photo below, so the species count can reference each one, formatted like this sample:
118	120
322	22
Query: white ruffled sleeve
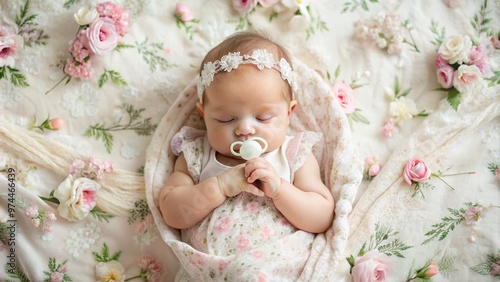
300	148
189	141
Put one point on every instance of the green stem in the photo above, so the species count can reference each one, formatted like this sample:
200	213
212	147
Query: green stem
135	277
57	84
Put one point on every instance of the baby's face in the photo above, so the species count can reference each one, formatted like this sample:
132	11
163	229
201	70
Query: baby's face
244	103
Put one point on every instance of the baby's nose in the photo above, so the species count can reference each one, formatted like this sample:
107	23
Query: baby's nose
245	127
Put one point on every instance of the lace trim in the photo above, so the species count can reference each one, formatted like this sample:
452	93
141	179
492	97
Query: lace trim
261	58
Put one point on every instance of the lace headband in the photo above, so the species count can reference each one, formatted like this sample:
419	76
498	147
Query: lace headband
261	58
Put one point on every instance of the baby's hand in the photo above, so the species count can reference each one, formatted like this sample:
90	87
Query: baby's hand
233	181
269	180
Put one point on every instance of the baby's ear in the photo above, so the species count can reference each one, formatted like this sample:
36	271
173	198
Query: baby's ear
199	107
293	105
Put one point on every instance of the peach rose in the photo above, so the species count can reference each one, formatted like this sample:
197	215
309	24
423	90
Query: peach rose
102	36
77	197
416	171
345	96
371	267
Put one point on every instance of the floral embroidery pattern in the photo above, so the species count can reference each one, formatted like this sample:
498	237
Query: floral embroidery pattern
82	239
141	127
376	255
13	36
490	267
57	271
101	28
401	109
107	267
471	215
387	32
184	18
151	269
344	92
352	5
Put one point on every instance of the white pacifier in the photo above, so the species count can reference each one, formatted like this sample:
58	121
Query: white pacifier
250	148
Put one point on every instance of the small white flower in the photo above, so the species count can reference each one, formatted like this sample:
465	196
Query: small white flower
230	61
402	109
109	271
262	58
86	16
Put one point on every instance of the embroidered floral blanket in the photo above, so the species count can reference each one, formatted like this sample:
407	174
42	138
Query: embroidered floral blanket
85	84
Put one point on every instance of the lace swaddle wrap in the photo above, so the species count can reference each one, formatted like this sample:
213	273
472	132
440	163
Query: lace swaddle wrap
341	168
246	231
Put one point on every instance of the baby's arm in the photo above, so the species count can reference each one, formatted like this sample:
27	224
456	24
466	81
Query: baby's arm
182	203
307	203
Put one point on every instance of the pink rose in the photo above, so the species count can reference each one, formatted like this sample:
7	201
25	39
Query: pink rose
345	96
56	277
495	269
244	6
416	171
479	58
440	61
445	76
102	36
371	267
117	14
77	197
268	3
10	42
466	77
183	12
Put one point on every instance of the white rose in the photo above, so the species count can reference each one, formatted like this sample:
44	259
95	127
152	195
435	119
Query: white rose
77	197
85	16
402	109
105	270
466	77
455	49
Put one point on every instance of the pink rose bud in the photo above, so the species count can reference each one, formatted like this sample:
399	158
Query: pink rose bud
183	12
428	271
374	169
416	171
370	160
56	123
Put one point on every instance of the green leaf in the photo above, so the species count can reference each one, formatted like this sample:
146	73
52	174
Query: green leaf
337	71
482	268
69	3
103	256
454	98
15	272
99	132
100	215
